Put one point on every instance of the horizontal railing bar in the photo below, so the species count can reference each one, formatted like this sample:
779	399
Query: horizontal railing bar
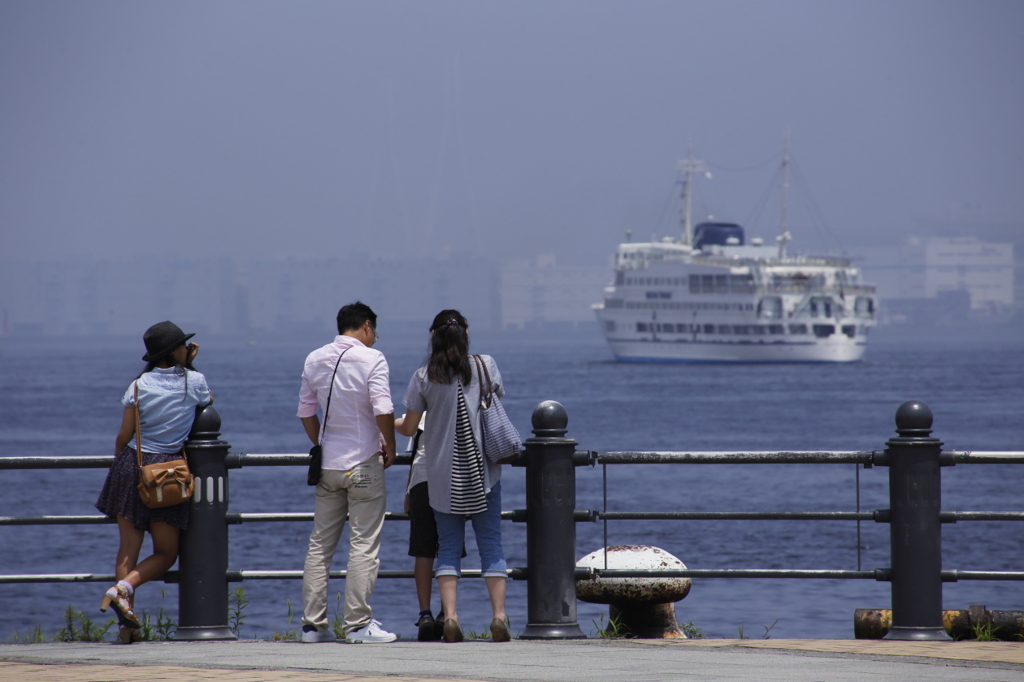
168	577
989	516
236	576
990	457
54	520
93	462
237	459
582	515
782	516
954	576
879	574
785	457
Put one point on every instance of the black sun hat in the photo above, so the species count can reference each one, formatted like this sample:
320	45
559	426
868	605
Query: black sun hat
161	339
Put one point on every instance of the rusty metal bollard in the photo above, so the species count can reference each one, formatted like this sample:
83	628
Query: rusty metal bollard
959	623
550	527
915	531
203	559
637	607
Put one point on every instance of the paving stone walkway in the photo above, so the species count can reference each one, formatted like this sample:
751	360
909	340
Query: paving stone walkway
518	661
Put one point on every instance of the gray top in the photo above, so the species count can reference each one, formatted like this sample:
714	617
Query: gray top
440	402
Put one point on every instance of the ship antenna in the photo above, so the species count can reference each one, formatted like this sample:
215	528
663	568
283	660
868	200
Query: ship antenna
784	235
689	166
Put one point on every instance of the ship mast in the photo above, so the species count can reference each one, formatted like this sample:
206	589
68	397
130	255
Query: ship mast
784	235
689	166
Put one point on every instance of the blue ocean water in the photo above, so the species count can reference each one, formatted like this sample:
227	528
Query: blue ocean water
60	397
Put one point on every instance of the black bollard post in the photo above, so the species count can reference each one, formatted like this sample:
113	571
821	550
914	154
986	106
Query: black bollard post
203	558
914	529
550	527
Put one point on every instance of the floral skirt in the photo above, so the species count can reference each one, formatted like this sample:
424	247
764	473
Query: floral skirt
120	494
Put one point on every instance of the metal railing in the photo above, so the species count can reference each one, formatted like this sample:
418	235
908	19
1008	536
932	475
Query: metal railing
914	460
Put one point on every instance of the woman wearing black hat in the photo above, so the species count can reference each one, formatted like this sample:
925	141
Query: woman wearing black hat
168	391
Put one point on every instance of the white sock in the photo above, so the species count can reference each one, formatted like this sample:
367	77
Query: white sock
127	586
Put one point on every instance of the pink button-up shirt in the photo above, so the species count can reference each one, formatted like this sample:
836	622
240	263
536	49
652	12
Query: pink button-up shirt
361	392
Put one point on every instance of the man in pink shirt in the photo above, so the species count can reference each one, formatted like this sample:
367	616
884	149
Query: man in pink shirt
348	381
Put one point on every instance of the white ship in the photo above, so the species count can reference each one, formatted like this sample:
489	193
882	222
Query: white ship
711	297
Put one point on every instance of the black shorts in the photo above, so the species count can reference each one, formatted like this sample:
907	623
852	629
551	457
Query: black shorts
422	527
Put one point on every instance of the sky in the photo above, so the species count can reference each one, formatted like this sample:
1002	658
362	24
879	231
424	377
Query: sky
267	130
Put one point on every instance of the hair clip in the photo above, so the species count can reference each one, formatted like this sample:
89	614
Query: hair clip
452	321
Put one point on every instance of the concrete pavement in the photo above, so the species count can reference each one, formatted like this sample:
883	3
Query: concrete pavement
592	660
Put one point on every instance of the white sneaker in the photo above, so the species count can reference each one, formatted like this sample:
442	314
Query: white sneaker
318	636
370	634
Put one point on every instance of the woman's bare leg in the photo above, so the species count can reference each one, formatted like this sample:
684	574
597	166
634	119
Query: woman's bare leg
128	550
496	590
165	553
448	586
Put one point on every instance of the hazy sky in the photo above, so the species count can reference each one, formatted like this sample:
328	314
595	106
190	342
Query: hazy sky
308	129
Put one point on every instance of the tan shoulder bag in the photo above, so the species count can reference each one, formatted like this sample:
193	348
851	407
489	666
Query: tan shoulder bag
164	484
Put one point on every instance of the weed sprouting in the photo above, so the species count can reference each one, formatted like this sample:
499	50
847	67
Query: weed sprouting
238	600
84	631
692	631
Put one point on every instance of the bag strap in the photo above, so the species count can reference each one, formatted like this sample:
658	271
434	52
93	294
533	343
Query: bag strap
485	401
138	428
327	410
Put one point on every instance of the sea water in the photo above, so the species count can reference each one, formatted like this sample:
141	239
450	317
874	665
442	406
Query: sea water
61	397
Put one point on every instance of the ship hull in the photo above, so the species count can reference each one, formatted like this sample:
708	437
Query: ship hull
627	350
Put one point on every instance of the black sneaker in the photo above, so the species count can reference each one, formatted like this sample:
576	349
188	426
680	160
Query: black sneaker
425	627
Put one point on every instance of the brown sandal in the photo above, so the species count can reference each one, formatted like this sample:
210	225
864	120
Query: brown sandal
118	597
499	630
452	631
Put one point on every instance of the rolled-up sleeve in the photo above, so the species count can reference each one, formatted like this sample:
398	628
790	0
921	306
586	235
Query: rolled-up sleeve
307	399
499	388
379	386
414	396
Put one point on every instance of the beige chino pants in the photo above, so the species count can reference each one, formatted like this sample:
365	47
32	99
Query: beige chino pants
360	494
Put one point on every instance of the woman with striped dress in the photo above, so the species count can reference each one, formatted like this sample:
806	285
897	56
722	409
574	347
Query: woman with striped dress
462	483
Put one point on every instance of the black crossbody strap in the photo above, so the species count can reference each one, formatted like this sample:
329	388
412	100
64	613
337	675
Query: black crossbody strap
327	410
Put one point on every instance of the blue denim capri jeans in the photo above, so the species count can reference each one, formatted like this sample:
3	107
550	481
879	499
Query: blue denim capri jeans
451	534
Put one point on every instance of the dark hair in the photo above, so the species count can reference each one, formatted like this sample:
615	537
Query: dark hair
449	349
354	315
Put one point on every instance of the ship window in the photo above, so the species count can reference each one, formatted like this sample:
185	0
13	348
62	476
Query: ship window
709	329
609	325
864	306
758	329
620	277
741	284
741	329
798	329
770	307
722	284
776	329
724	329
694	284
823	331
850	330
681	328
641	326
707	284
